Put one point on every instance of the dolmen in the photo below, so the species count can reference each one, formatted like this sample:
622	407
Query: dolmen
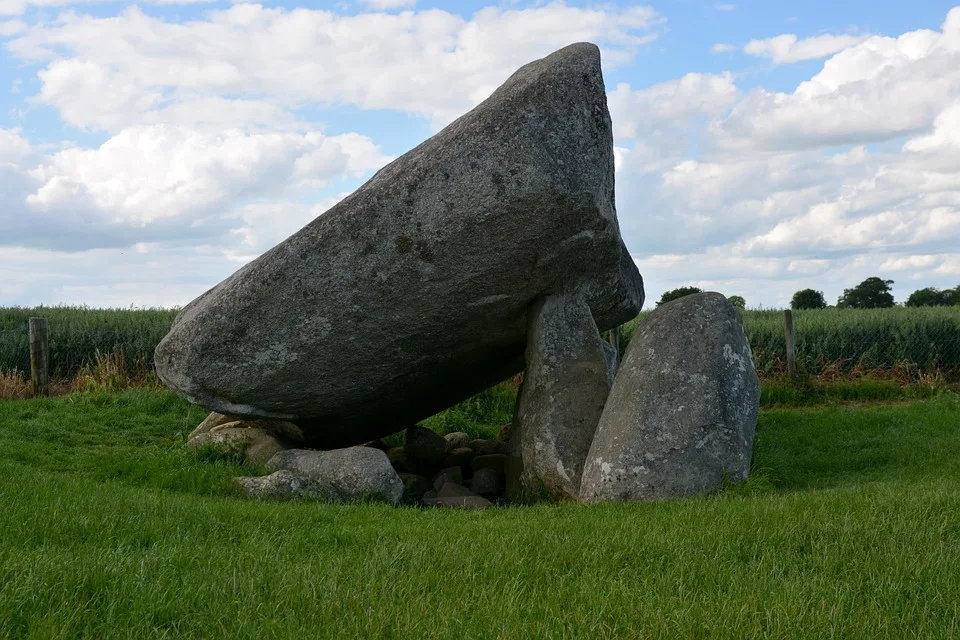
491	249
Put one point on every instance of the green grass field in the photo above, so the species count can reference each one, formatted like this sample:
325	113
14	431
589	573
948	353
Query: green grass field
109	527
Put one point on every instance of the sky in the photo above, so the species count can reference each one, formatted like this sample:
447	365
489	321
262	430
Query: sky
149	150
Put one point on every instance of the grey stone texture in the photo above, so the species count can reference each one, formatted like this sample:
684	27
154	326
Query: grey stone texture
341	475
683	409
564	390
412	293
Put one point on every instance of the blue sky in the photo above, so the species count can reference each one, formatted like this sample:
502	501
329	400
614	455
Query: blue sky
147	151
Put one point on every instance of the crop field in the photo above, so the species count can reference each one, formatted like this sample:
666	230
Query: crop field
900	342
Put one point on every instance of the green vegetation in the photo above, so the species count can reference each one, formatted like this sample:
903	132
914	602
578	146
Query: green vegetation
903	344
872	293
933	297
738	301
898	342
78	334
808	299
849	527
680	292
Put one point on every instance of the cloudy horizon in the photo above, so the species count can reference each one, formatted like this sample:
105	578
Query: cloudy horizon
149	150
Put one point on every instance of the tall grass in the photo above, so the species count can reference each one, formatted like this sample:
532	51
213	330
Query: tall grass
905	342
901	342
78	334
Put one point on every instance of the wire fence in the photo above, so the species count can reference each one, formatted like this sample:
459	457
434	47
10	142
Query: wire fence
830	343
78	335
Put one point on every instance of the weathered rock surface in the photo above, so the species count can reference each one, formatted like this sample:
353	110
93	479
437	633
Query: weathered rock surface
488	447
213	420
457	440
425	447
487	482
280	484
257	445
683	409
414	486
412	293
454	495
495	461
450	474
459	457
564	389
355	473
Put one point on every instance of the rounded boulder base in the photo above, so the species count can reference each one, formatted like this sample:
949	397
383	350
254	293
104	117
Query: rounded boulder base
257	445
344	475
681	416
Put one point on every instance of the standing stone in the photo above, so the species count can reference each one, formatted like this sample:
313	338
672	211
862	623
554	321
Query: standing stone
683	409
356	473
411	294
564	390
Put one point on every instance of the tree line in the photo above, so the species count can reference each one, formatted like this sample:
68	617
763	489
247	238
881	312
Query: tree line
872	293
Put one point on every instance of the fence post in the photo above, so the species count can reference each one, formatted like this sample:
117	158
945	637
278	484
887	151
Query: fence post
791	347
39	357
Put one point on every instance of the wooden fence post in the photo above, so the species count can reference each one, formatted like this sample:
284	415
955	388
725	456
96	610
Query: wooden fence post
791	346
39	357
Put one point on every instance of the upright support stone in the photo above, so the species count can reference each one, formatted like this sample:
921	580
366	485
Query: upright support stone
564	390
681	416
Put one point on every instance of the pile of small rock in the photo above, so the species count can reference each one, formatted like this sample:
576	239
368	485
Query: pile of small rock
428	470
451	470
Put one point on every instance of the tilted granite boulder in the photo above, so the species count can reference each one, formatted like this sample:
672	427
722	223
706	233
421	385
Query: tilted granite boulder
681	415
564	389
412	293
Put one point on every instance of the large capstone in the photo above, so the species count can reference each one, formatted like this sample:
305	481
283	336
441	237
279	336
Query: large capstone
412	293
681	415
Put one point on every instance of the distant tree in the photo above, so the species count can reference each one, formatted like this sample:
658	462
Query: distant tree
738	302
678	293
872	293
931	297
808	299
954	295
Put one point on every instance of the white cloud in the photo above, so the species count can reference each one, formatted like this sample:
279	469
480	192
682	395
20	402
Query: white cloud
110	73
12	27
19	7
146	173
722	47
787	48
389	4
724	7
880	89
